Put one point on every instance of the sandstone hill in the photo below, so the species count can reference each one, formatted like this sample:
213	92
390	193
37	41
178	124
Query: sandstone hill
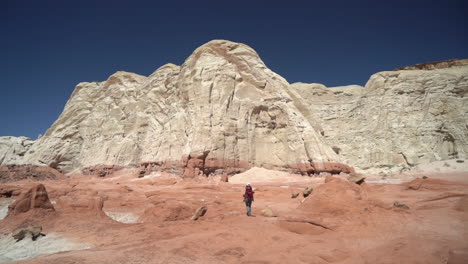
223	111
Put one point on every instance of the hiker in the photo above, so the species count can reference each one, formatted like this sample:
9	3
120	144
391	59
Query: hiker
248	198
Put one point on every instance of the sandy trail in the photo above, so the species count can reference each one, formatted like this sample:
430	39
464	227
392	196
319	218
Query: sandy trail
338	223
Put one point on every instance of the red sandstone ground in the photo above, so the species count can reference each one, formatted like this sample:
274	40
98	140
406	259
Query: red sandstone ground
339	222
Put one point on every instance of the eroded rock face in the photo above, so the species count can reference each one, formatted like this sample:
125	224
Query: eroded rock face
398	120
221	111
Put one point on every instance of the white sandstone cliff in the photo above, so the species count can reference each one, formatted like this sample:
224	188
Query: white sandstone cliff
400	119
222	109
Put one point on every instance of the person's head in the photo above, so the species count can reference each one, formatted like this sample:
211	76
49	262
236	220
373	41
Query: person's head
247	186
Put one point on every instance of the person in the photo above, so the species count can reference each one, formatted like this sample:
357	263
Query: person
248	198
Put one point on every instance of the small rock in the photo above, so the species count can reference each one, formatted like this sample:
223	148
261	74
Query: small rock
199	213
400	205
294	194
425	177
356	178
33	230
307	191
267	212
460	161
415	184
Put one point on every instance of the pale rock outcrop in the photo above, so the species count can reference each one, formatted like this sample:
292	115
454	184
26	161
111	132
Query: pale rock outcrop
221	111
12	149
398	120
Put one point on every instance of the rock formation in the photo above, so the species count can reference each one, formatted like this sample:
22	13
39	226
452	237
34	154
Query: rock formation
35	198
33	231
400	119
223	111
12	149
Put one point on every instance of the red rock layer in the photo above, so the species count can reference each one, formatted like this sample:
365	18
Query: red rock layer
101	170
198	165
21	172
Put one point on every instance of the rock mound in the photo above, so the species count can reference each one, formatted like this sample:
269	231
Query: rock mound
34	198
334	198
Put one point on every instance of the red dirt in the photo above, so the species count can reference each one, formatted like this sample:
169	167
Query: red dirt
339	222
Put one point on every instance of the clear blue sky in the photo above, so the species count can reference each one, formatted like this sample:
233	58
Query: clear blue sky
48	47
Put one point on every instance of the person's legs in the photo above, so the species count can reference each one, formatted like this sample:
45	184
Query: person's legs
249	207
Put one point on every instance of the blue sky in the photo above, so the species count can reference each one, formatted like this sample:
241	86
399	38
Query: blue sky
48	47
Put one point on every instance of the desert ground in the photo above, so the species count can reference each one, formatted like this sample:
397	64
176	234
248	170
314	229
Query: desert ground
121	218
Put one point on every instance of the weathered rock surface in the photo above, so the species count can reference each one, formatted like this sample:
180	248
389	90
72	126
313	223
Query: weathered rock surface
12	149
222	111
400	119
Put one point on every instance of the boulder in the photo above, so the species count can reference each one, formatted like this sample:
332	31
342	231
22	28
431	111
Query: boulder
267	212
307	191
397	204
34	231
